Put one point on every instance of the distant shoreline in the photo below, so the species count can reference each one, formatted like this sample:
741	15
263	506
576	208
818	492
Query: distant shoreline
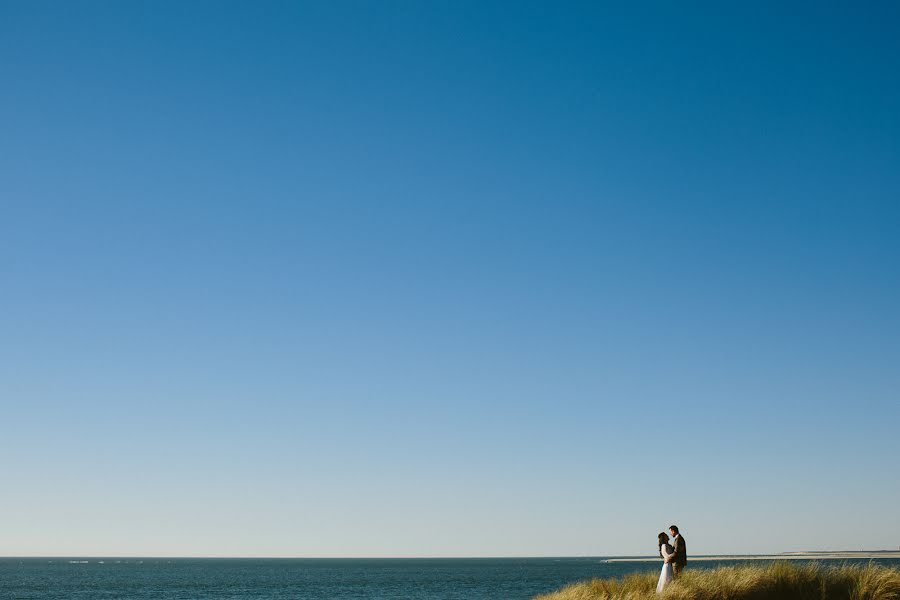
782	556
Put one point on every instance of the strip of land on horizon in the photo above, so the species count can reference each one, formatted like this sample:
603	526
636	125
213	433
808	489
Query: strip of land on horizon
837	555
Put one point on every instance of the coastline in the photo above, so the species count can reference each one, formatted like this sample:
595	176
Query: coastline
838	555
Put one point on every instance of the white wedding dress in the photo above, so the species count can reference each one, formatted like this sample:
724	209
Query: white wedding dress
666	575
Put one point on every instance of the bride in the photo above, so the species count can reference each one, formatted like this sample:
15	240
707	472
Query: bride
665	551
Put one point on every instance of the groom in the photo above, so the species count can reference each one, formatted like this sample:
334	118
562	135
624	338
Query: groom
679	559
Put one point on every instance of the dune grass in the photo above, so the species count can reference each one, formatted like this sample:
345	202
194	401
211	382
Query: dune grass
774	581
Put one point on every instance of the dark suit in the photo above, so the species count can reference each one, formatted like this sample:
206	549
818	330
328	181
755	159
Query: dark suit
680	558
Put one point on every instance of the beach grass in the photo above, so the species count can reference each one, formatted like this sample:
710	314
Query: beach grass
775	581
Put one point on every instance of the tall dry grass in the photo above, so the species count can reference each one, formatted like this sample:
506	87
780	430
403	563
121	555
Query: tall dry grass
774	581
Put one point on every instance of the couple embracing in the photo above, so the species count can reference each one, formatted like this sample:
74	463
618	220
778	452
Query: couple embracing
674	557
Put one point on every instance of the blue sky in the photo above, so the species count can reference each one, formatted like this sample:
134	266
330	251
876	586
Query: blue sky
448	279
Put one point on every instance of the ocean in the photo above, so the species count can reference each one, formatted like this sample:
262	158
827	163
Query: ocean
303	579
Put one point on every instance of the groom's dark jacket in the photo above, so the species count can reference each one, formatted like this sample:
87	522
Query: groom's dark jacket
680	551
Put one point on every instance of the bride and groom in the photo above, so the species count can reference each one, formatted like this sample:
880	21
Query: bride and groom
674	557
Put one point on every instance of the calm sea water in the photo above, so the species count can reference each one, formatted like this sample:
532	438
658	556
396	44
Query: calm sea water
302	579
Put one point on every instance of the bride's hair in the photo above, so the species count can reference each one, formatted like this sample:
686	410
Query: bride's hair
662	538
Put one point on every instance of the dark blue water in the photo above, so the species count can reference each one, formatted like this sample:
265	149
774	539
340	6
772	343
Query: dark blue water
302	579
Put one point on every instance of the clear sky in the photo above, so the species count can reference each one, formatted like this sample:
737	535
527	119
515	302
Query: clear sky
448	278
